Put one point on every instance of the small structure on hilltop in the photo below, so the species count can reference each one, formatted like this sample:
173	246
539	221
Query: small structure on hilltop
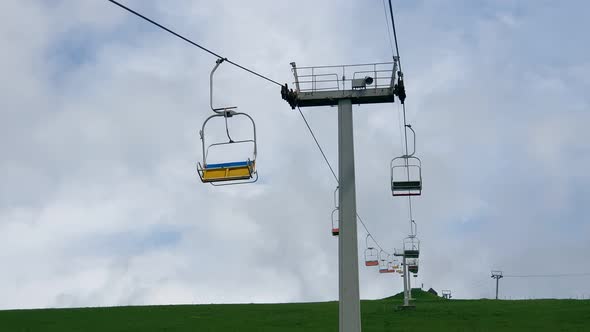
432	291
446	294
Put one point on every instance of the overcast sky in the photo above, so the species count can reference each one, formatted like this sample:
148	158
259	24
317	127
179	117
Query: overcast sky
100	203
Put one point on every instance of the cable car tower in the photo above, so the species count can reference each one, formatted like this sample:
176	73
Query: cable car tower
343	86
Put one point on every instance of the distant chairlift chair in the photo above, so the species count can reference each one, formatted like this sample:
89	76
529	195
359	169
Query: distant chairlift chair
335	222
412	265
335	215
406	173
371	257
411	243
385	265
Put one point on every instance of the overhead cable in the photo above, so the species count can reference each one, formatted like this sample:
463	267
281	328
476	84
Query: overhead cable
335	176
191	42
404	108
394	35
548	275
388	29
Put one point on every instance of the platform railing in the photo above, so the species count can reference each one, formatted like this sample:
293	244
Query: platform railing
338	78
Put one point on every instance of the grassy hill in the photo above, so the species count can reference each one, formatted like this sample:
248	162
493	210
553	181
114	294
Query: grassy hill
418	295
431	314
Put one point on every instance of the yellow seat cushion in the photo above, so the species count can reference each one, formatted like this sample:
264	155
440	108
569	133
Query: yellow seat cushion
241	172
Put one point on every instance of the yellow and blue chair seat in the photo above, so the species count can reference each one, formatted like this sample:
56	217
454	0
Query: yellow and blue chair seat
239	170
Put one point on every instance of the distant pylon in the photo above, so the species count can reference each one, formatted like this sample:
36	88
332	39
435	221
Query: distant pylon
497	275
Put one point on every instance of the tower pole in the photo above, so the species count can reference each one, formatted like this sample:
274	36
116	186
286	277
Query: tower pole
349	308
409	287
406	292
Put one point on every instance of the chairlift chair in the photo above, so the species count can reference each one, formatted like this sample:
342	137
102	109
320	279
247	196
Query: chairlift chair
411	243
234	171
335	215
406	173
390	267
371	254
411	247
371	257
387	268
395	264
412	265
384	265
335	222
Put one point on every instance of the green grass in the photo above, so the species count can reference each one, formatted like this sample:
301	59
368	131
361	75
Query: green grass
431	314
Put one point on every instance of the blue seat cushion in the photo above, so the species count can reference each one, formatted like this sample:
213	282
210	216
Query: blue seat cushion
229	165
